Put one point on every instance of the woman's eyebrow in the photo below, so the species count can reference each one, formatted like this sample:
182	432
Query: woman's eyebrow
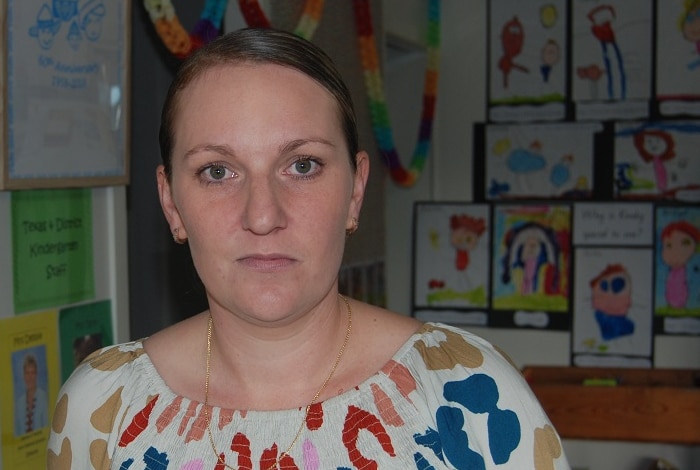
223	150
296	143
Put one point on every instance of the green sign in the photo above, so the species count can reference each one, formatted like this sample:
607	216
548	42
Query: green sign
83	329
52	248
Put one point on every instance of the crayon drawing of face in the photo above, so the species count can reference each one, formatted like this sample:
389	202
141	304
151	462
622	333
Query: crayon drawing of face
550	52
611	291
678	247
691	24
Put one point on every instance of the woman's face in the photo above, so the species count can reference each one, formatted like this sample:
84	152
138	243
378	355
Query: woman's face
262	188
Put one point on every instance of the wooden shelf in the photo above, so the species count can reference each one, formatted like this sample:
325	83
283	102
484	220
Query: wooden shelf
652	405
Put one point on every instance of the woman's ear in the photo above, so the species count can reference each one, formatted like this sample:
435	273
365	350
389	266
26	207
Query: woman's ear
359	185
172	215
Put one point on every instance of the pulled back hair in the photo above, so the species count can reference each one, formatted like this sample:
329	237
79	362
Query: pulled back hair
259	46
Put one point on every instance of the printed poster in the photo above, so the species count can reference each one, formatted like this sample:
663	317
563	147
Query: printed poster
67	91
52	248
612	307
29	384
84	329
451	260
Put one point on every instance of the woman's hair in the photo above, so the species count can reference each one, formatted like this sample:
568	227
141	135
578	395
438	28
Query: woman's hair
30	361
259	46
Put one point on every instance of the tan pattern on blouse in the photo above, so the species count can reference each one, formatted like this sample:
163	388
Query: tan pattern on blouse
455	350
547	448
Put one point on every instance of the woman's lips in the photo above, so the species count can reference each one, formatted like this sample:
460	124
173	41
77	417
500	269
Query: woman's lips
271	262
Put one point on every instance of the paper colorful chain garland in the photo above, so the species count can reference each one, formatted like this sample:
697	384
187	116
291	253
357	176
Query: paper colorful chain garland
181	44
375	92
255	16
173	34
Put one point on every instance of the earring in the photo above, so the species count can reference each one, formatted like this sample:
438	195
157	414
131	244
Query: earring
176	237
353	229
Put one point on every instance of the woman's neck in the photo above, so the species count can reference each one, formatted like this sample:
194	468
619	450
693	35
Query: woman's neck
276	368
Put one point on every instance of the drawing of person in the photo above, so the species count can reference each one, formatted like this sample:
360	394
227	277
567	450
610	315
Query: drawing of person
512	39
549	55
465	232
64	10
74	37
601	18
656	146
611	298
31	404
679	242
91	15
531	257
46	27
689	24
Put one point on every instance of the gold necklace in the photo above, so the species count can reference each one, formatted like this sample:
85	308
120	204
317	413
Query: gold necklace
219	456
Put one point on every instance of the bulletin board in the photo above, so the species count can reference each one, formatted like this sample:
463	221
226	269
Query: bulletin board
65	101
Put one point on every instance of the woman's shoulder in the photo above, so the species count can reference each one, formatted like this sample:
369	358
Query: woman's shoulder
450	351
113	357
107	368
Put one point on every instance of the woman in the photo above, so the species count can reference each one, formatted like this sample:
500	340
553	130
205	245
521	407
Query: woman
32	404
263	178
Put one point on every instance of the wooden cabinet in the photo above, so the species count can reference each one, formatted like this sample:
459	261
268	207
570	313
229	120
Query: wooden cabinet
653	405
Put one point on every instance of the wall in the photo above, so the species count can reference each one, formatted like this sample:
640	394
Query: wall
461	102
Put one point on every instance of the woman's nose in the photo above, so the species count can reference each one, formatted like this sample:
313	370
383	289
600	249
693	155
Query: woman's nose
264	207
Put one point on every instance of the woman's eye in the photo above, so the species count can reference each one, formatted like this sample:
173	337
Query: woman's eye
304	167
216	173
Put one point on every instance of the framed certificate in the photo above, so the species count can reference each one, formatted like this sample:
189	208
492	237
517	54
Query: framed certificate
65	102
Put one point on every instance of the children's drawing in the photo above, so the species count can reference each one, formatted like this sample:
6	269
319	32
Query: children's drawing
602	18
678	57
612	58
465	234
531	257
83	22
527	40
690	28
657	160
512	38
451	255
539	160
678	261
550	55
612	306
611	299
